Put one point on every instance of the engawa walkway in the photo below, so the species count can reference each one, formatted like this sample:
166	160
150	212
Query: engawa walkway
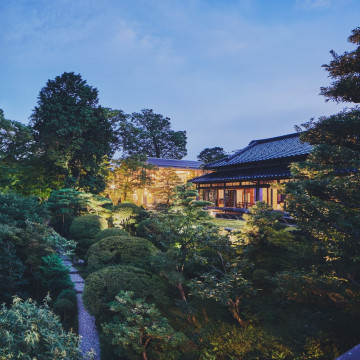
87	328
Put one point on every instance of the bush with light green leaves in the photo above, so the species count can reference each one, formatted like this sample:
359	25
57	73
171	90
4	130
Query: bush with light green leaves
30	331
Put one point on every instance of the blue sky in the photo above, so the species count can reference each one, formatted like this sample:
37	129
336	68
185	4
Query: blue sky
226	71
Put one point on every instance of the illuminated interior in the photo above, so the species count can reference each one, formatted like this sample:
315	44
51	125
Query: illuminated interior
240	195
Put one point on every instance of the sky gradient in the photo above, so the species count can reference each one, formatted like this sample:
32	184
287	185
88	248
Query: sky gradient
226	71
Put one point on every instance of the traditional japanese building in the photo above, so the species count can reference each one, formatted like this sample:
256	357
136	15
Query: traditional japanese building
250	175
184	169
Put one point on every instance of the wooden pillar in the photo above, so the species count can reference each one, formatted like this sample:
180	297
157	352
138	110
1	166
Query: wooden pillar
257	193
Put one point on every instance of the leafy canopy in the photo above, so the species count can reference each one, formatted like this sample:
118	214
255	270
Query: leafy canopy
72	133
211	154
345	71
150	134
138	328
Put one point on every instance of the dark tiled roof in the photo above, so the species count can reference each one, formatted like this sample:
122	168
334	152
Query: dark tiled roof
179	164
245	174
280	147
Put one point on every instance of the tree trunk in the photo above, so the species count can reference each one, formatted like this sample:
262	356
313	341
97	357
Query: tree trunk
144	351
144	355
182	292
234	309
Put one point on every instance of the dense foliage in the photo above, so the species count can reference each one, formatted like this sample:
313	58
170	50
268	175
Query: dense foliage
16	210
126	250
150	134
125	214
66	204
211	154
345	70
30	266
84	229
110	232
73	135
29	331
138	328
103	285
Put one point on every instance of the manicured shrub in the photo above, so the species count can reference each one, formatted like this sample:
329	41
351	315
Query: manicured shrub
66	309
127	250
87	226
110	232
102	286
66	306
69	294
125	213
84	229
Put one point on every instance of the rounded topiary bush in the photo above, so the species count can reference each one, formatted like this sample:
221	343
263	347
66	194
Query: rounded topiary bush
127	250
87	226
110	232
84	229
125	213
103	285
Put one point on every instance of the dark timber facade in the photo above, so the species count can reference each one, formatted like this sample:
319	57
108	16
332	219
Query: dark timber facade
248	176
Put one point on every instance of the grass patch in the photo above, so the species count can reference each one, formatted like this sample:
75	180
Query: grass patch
228	223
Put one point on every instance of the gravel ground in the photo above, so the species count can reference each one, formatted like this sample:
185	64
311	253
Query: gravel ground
353	354
87	328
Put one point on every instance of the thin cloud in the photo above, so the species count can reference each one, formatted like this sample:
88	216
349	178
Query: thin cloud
319	4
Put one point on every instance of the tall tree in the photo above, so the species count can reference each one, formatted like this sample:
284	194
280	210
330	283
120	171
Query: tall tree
150	134
72	133
345	69
325	199
211	154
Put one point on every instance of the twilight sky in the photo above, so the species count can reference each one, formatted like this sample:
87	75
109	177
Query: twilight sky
226	71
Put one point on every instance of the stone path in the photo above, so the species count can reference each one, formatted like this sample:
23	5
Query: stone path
353	354
87	328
